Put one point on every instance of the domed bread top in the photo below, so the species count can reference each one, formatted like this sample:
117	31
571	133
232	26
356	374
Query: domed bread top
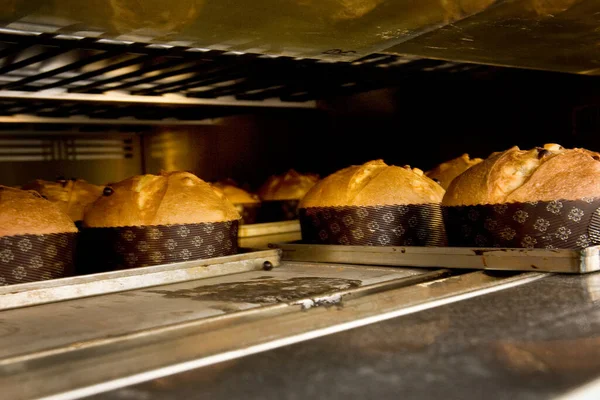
71	196
166	199
446	172
25	212
374	183
289	186
235	194
541	174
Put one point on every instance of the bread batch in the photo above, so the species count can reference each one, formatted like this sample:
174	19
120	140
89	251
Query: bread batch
542	197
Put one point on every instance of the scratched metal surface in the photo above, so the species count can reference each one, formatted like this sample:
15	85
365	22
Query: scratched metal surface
47	326
558	35
535	341
335	29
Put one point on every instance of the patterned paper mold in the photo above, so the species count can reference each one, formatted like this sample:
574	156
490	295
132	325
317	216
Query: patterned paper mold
388	225
30	258
109	249
558	224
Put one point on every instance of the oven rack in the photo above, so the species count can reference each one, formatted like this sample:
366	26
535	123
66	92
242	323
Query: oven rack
45	76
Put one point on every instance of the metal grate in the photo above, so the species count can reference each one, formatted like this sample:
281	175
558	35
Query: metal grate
57	149
46	68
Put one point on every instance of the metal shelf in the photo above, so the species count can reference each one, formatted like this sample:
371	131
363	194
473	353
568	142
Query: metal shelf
67	77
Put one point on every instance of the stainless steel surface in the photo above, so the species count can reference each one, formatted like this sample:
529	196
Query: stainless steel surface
541	260
99	155
305	28
227	313
16	296
174	99
259	236
558	35
32	119
530	342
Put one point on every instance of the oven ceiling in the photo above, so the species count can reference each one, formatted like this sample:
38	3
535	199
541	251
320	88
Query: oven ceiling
553	35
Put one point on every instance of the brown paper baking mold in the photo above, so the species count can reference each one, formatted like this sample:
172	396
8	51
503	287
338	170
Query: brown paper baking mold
31	258
109	249
558	224
388	225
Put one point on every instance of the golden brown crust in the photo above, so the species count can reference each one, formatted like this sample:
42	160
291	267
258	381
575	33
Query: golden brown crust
71	196
289	186
25	212
169	198
541	174
373	183
446	172
235	194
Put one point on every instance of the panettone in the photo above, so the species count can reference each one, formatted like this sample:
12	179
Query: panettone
71	196
166	199
541	174
447	171
25	212
371	184
289	186
235	194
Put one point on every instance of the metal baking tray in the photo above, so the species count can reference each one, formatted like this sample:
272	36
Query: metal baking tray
259	236
34	293
540	260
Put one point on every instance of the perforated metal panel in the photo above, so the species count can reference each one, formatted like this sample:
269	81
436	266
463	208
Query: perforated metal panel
98	155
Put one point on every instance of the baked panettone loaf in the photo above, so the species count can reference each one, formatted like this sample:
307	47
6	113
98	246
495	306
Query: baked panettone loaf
541	174
235	194
71	196
166	199
446	172
25	212
289	186
374	183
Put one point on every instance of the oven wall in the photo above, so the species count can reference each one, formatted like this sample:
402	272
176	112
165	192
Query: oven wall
421	122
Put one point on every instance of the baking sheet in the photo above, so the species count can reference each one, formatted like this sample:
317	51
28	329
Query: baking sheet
28	294
540	260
